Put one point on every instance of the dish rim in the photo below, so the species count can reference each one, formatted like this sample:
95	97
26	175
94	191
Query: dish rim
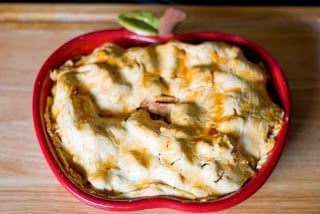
124	37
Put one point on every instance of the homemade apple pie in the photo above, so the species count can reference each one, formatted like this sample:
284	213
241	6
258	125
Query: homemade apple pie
193	121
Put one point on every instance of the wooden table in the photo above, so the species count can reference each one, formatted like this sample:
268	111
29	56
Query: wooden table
29	33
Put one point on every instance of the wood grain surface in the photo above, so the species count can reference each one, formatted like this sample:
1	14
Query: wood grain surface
30	32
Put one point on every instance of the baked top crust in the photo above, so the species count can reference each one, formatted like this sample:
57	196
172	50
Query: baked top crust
188	120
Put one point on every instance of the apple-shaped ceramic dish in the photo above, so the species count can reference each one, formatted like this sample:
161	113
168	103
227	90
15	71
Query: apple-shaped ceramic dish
84	44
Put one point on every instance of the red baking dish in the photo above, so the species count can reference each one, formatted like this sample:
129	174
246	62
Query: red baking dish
84	44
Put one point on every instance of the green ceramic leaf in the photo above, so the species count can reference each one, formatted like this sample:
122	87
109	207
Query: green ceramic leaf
140	22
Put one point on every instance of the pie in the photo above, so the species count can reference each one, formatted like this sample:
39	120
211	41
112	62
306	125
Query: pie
192	121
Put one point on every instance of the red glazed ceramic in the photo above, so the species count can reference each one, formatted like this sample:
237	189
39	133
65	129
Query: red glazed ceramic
84	44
